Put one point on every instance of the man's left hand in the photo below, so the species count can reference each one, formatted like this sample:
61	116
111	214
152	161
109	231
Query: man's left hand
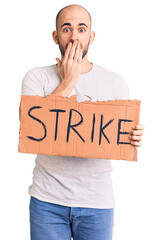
135	135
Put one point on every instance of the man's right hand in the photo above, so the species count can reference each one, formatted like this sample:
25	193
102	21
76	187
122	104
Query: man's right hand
70	67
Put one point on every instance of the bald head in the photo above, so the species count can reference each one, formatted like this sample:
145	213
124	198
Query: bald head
73	22
72	7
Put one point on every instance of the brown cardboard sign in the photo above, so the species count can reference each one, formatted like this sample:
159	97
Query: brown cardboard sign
55	125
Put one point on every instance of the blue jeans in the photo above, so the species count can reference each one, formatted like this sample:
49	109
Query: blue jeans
49	221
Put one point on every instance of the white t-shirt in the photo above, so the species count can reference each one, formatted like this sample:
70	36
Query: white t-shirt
74	181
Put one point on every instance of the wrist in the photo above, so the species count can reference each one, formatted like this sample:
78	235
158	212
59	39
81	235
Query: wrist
68	82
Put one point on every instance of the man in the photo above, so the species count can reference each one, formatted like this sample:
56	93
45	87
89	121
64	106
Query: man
73	197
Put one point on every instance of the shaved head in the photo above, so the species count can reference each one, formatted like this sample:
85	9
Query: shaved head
72	6
73	22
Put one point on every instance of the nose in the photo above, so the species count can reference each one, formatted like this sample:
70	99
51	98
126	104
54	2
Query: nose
74	36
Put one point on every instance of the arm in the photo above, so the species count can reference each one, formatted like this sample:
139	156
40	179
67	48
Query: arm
122	92
69	69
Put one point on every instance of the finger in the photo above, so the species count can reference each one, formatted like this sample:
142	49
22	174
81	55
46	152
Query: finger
72	51
135	138
80	56
58	62
136	144
138	127
76	56
136	132
67	51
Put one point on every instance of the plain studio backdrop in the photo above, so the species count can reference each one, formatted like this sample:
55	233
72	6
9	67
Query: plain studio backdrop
129	42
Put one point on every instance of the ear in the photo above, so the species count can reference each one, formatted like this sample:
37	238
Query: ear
55	37
92	37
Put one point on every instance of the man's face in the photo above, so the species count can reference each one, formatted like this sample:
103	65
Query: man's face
74	23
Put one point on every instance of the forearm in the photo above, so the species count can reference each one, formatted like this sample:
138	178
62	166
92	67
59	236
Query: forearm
69	69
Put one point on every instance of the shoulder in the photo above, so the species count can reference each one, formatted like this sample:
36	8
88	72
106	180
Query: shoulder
121	90
39	72
34	80
108	72
102	70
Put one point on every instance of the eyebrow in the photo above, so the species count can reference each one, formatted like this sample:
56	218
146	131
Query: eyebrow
69	24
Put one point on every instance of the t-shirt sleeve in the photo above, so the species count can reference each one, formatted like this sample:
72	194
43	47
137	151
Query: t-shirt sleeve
121	88
33	83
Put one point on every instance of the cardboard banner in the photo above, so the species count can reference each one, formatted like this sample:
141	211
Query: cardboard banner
55	125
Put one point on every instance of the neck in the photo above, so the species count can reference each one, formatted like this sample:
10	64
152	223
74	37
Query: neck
86	65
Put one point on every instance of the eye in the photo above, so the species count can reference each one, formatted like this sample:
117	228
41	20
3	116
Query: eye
66	30
82	30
